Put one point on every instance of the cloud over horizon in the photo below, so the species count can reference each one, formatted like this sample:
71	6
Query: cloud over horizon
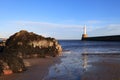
110	29
46	24
64	31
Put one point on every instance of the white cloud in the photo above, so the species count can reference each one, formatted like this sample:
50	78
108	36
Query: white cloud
114	25
111	29
46	24
59	31
65	31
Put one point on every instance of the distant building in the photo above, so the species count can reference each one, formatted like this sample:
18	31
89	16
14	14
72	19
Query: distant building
84	35
99	38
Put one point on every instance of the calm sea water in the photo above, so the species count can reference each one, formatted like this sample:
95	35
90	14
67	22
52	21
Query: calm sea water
73	63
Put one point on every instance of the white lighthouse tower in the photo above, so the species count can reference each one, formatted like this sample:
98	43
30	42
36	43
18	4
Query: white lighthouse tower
85	30
84	35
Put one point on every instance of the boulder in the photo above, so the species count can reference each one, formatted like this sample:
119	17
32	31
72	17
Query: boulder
10	64
26	44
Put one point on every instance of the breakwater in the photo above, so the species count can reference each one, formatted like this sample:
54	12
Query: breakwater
103	38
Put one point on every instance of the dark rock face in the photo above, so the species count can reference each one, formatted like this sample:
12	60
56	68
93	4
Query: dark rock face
2	45
27	44
10	64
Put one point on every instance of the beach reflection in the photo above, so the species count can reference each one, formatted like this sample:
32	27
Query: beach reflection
85	59
85	62
71	67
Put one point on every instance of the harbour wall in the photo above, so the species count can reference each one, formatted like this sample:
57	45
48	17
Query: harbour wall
102	38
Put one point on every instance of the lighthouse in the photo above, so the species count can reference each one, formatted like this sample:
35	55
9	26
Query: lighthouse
84	35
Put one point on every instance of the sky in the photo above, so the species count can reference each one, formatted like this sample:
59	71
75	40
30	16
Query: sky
61	19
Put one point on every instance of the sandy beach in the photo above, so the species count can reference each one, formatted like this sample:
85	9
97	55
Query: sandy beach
37	69
96	67
101	67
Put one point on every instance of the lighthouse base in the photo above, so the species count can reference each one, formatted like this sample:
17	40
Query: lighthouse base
84	36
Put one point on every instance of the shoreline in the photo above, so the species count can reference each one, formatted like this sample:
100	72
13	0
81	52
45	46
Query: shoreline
95	67
102	67
37	69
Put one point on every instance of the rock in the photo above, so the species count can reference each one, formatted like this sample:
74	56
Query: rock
7	72
26	44
10	64
2	45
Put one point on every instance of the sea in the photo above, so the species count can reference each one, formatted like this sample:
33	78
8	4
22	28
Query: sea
72	63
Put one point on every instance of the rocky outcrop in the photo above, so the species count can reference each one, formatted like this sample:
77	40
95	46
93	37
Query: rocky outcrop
10	64
2	45
25	44
28	44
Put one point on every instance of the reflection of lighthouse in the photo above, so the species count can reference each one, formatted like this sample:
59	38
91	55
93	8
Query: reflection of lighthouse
85	62
84	33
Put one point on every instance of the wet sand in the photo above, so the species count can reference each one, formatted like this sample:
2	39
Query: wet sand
102	67
37	69
96	67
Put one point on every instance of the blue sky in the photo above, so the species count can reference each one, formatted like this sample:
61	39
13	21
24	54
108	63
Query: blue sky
61	19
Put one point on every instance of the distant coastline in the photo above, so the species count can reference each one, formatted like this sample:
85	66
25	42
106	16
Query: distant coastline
102	38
